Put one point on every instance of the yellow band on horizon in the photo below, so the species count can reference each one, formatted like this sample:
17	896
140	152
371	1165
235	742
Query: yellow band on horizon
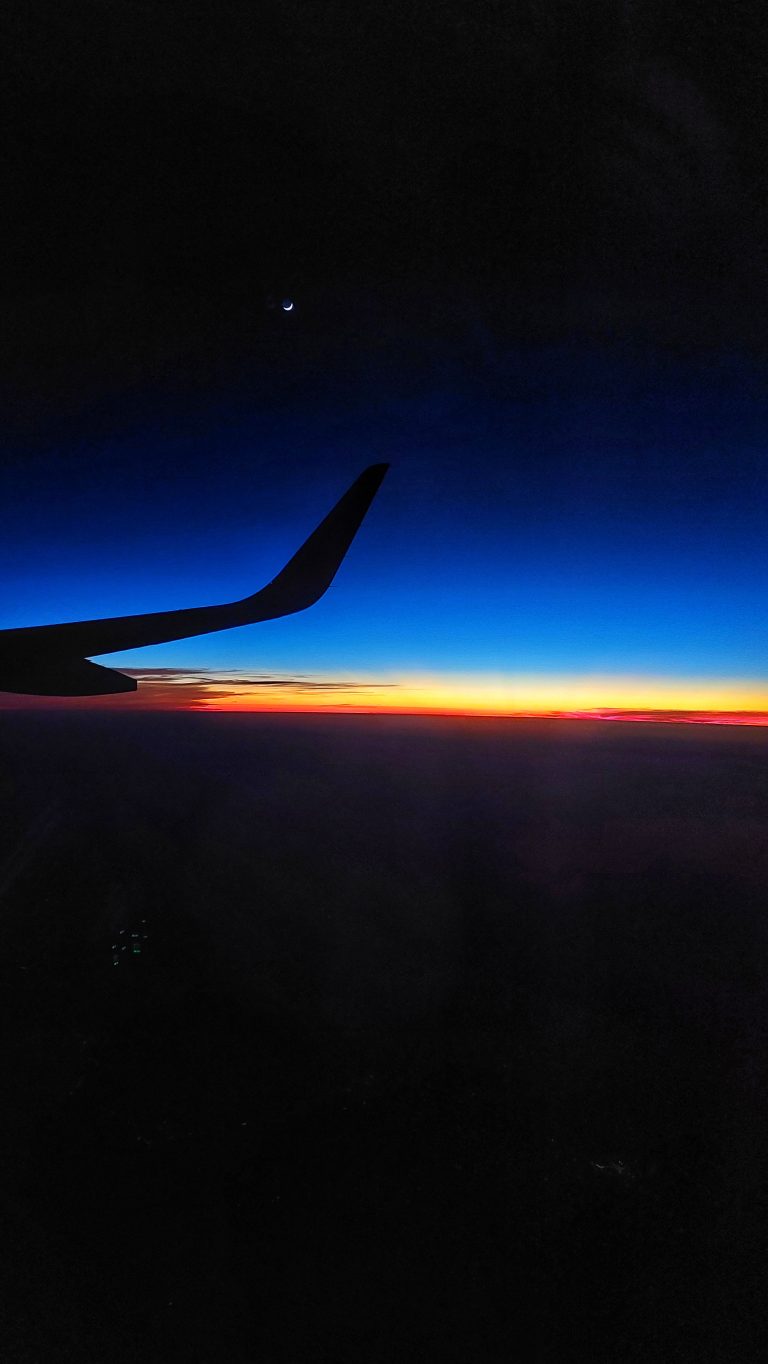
523	694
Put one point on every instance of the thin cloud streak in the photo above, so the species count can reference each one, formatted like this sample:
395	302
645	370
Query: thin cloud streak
204	689
178	677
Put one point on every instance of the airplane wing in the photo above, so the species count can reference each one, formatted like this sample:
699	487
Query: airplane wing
46	651
63	677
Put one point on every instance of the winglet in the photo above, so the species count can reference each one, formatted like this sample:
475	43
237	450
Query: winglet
302	582
313	568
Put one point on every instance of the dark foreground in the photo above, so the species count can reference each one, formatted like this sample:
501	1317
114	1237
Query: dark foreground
444	1041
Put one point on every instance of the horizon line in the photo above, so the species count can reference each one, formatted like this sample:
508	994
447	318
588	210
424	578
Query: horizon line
635	716
608	715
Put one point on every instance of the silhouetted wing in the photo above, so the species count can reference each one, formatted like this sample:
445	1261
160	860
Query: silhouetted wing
64	677
302	582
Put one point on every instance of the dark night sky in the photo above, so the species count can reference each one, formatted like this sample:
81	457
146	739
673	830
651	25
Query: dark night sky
527	251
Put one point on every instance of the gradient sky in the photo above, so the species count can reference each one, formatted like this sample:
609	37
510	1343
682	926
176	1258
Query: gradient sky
569	383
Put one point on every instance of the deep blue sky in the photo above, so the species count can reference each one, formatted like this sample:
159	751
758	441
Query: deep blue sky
562	509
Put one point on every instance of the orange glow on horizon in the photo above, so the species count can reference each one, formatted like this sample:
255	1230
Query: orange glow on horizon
542	696
698	700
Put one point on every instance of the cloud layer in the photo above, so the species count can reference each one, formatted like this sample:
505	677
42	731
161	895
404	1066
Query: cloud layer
666	701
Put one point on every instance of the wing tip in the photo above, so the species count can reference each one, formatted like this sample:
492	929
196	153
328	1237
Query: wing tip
372	476
308	575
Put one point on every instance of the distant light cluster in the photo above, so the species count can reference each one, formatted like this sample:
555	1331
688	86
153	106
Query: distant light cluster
129	941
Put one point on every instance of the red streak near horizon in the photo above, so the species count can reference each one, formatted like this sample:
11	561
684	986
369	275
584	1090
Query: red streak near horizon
162	701
753	718
661	717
